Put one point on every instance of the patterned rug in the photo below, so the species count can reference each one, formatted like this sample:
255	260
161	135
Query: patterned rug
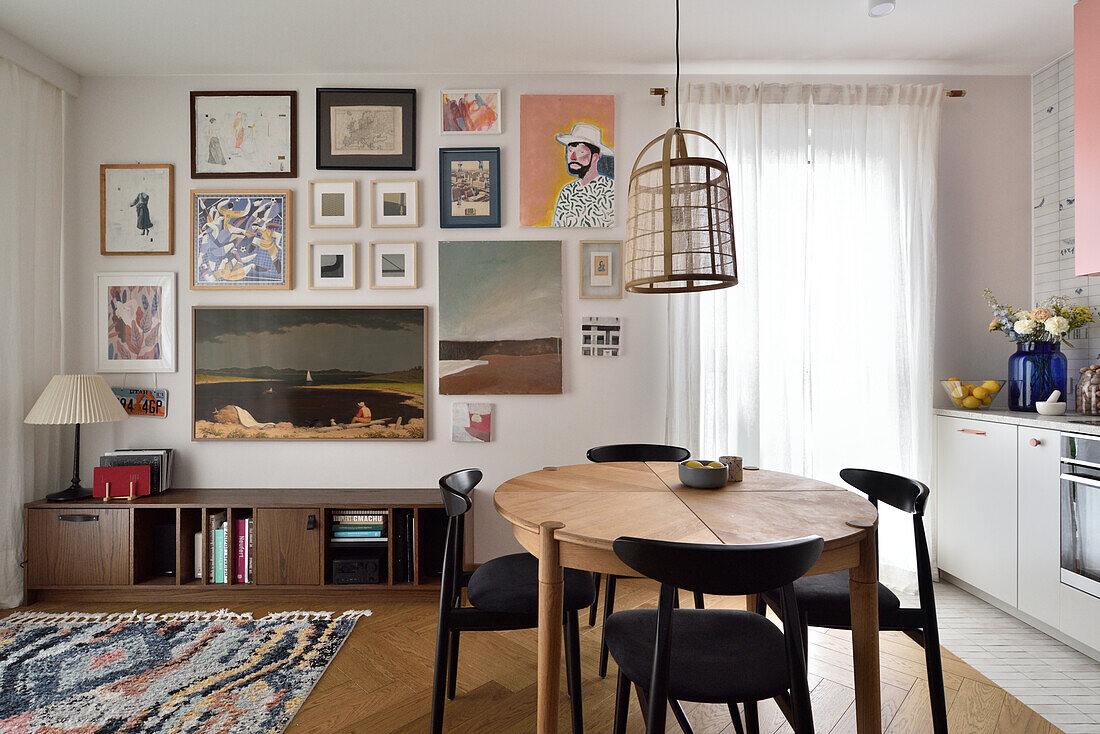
185	672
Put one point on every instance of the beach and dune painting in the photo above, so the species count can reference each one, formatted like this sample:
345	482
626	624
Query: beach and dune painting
309	373
500	318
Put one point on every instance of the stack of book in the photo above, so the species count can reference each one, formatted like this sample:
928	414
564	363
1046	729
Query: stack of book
230	553
357	526
160	463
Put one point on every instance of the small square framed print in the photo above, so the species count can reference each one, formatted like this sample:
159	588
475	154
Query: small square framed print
469	111
469	187
366	129
136	209
332	266
393	265
333	204
601	269
394	203
136	322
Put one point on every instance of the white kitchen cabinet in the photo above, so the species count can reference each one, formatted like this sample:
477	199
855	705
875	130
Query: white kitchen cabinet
976	504
1037	462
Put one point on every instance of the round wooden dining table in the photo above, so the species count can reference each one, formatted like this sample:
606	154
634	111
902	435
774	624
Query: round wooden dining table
568	516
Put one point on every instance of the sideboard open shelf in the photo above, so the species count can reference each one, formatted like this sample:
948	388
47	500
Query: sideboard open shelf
105	550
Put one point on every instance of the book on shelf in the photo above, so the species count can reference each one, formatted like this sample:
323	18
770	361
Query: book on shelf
250	547
240	566
217	547
382	539
198	555
411	566
358	525
357	533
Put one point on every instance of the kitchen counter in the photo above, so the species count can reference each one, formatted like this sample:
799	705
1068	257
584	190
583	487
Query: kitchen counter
1068	422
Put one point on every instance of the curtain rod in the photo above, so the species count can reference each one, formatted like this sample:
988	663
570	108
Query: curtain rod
662	92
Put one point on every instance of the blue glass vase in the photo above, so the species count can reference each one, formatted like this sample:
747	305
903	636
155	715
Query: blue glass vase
1035	371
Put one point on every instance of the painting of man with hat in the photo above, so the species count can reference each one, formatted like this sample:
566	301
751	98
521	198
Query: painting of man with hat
589	199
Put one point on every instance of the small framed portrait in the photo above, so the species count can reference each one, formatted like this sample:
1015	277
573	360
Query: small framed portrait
366	129
469	111
333	204
601	269
241	240
135	322
394	203
136	209
332	266
393	265
469	187
244	134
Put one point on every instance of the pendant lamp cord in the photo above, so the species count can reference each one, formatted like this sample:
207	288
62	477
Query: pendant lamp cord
677	63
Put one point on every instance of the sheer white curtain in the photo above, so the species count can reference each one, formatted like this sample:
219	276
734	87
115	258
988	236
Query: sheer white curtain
822	357
30	288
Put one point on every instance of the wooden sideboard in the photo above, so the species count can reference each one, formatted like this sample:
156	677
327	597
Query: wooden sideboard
94	550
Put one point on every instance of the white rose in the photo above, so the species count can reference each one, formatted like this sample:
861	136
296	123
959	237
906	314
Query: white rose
1024	326
1057	325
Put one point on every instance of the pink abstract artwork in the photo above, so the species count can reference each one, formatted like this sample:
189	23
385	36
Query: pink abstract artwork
134	322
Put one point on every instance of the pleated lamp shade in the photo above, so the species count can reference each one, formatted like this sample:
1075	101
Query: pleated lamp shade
679	227
74	399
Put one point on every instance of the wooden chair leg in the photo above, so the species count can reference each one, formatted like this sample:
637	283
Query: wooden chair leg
752	718
622	701
608	610
699	600
595	602
681	717
452	666
439	682
735	716
573	669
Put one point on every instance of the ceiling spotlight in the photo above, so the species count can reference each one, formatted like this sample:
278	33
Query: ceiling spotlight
879	8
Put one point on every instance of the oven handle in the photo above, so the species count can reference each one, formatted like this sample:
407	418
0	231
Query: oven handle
1081	480
1079	462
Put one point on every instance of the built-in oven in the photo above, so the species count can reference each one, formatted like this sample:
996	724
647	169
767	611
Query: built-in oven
1080	482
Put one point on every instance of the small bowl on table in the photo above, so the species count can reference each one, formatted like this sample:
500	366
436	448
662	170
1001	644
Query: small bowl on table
704	476
972	394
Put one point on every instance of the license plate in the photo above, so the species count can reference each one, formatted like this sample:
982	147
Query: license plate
139	401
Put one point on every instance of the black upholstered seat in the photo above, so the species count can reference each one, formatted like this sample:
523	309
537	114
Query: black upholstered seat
511	584
717	656
825	600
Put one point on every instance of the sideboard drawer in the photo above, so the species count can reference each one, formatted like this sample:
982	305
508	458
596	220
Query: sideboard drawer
78	547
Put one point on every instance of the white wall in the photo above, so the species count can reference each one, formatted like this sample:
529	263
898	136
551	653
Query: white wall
984	185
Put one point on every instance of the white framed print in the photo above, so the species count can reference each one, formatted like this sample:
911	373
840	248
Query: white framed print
135	322
394	203
332	266
333	204
601	269
393	265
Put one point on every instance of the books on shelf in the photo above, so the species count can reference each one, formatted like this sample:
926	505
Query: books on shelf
159	460
349	526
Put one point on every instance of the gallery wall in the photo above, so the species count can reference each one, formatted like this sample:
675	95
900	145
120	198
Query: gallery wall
984	189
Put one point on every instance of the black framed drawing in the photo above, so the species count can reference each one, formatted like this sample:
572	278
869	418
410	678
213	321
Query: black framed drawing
469	187
366	129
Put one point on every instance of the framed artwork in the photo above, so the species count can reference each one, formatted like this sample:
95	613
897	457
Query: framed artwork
366	129
500	318
333	204
600	336
240	240
288	373
332	265
472	422
135	322
393	265
469	187
601	269
469	111
136	208
567	160
244	134
394	203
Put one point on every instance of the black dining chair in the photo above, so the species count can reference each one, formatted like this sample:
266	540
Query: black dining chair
823	601
627	452
503	595
713	655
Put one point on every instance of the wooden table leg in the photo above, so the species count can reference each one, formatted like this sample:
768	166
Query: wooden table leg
550	634
863	588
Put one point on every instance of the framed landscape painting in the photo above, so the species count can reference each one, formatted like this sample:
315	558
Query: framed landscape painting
241	240
366	129
469	111
469	187
500	318
244	134
287	373
135	322
136	209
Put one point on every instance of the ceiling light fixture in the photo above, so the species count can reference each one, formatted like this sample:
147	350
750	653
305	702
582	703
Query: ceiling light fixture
879	8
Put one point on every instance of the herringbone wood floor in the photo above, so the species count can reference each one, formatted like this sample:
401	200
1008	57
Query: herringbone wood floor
381	680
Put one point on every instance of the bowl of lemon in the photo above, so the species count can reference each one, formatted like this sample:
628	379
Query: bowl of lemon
972	394
704	474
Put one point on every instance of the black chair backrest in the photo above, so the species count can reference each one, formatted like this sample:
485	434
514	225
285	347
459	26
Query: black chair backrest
455	488
908	495
637	452
725	570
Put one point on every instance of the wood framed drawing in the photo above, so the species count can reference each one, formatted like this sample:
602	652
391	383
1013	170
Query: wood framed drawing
469	187
393	265
135	322
469	111
333	266
394	203
288	373
244	134
136	206
601	269
334	204
241	240
366	129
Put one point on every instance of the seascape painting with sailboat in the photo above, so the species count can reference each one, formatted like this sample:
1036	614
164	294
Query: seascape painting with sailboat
309	373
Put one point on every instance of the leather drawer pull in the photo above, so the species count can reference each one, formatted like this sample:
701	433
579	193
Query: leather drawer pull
78	518
972	431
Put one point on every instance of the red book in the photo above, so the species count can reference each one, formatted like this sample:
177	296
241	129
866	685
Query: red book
120	481
240	529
